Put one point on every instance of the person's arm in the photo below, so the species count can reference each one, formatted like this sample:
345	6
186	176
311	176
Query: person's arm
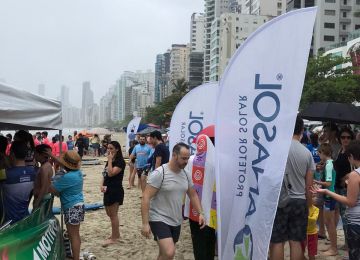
195	202
352	195
148	194
113	170
309	178
158	161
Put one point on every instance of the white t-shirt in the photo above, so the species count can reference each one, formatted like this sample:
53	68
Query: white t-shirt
166	205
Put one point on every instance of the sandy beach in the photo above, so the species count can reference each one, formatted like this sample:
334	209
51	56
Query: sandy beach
96	227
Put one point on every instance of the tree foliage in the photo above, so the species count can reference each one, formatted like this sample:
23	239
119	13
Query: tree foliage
161	113
327	80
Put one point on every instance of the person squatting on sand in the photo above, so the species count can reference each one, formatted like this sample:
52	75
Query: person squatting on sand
161	206
70	189
111	186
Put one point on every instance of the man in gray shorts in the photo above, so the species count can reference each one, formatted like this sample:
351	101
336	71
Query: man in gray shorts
161	206
291	220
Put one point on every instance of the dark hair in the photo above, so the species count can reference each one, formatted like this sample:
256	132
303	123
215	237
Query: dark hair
41	148
347	130
26	137
156	134
19	149
118	155
354	150
54	139
3	144
314	138
299	125
9	136
326	149
178	146
45	133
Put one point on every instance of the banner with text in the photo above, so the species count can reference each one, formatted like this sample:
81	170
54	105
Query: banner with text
256	110
132	126
195	111
37	237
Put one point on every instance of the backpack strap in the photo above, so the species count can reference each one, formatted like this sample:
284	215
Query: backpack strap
163	176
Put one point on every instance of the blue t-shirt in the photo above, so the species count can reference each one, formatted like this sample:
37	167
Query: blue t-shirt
17	190
142	153
70	188
70	145
314	152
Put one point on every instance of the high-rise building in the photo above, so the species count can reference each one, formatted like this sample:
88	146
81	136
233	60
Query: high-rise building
178	63
41	89
334	22
65	96
213	9
162	76
105	106
234	29
263	7
87	103
196	55
197	26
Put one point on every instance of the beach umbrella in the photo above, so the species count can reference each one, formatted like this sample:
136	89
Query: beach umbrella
151	129
332	112
209	131
100	131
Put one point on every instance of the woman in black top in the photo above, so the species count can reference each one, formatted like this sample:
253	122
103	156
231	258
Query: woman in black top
342	167
112	188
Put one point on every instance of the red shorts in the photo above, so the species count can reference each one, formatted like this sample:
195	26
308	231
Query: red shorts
311	243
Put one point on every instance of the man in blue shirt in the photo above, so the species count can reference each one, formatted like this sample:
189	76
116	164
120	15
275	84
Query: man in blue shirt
141	152
19	184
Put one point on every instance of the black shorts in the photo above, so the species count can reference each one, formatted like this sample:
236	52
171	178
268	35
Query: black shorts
161	230
113	195
140	171
290	222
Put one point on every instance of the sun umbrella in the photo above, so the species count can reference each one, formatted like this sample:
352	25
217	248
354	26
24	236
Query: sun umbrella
151	129
334	112
209	131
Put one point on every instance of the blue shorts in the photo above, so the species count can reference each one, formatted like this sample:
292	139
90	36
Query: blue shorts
329	204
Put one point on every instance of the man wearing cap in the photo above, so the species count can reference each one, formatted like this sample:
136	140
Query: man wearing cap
70	189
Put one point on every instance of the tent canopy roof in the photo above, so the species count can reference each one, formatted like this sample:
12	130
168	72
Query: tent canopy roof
20	109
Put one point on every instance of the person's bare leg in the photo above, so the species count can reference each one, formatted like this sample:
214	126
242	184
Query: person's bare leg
166	248
112	212
143	182
131	176
329	217
74	235
296	252
277	251
321	223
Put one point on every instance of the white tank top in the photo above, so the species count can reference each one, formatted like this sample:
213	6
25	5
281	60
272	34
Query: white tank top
353	214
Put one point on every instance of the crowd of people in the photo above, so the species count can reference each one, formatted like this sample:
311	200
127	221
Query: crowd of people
321	186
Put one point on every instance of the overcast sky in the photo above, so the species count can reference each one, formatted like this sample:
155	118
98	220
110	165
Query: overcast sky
66	42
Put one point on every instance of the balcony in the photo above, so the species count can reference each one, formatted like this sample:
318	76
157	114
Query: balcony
343	33
345	7
345	20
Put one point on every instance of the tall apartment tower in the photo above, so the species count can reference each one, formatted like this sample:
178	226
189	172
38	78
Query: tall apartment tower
162	76
334	21
263	7
196	55
178	63
87	103
213	9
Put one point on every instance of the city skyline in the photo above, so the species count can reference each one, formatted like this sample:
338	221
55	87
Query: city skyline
94	43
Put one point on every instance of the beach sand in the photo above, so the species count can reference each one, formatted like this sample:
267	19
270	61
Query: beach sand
96	227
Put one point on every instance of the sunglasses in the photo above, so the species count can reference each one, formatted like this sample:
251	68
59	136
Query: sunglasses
345	137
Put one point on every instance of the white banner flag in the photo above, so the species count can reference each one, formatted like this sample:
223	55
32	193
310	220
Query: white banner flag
256	110
195	111
133	125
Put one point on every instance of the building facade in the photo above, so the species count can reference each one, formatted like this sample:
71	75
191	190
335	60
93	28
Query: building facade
178	64
335	20
263	7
